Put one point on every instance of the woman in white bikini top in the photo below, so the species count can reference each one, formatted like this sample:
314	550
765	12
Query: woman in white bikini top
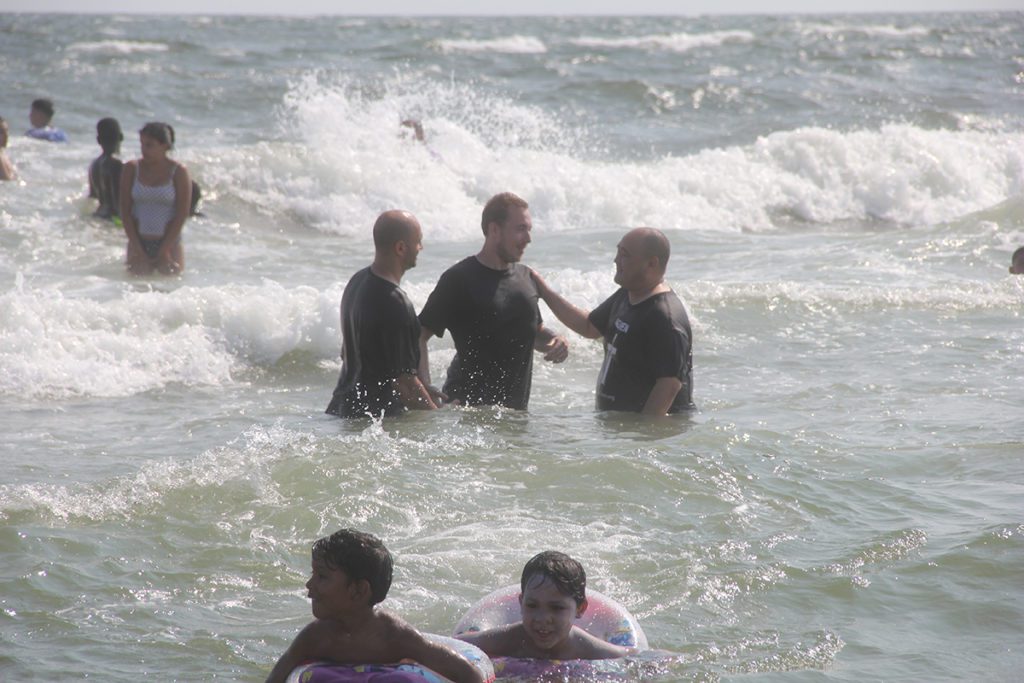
156	194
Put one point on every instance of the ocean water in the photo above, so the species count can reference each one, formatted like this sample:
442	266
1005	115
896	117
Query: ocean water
842	194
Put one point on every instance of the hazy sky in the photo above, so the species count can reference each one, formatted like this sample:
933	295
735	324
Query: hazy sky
475	7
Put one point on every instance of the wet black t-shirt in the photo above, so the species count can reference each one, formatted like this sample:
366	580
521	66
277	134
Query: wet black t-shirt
643	343
493	317
380	341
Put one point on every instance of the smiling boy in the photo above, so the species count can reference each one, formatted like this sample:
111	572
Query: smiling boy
351	574
553	596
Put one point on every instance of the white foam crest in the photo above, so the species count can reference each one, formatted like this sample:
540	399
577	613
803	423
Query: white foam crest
901	173
673	42
354	160
118	47
880	30
55	346
512	45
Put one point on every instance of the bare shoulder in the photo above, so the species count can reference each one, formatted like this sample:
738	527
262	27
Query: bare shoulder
591	647
503	641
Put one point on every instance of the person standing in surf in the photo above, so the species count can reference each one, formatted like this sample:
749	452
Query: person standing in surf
489	303
156	195
648	361
380	332
105	170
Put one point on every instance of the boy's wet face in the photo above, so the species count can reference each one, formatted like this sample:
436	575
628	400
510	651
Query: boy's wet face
548	613
331	591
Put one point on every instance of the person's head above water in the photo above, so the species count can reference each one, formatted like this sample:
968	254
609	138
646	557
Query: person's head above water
1017	262
360	556
41	113
565	573
109	135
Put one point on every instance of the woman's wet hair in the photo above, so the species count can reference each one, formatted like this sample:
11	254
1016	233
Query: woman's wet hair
159	131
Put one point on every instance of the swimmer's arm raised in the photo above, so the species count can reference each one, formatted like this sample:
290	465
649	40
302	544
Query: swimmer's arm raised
572	317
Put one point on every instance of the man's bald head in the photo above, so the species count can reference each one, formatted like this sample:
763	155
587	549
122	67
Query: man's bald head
392	227
652	243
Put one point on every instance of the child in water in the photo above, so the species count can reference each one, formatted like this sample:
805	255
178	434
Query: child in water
351	574
553	595
105	170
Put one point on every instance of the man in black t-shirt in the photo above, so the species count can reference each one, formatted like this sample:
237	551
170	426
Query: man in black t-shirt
380	332
648	355
489	303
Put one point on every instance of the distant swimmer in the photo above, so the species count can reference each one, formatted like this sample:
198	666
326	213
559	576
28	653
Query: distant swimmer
105	170
648	361
1017	262
40	116
6	167
489	303
156	195
417	131
416	127
380	350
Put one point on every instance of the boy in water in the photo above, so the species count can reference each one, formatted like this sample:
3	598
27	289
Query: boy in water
553	595
105	170
351	574
40	116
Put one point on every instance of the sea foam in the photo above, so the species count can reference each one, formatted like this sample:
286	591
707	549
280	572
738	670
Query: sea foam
511	44
353	160
673	42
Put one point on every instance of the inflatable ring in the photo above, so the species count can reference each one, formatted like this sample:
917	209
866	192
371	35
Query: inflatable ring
403	672
605	618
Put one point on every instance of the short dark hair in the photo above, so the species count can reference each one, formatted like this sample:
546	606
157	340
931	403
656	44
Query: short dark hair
44	105
159	131
566	573
496	209
361	556
1018	256
108	134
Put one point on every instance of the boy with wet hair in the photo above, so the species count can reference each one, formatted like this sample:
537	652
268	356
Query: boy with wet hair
40	116
554	595
351	575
